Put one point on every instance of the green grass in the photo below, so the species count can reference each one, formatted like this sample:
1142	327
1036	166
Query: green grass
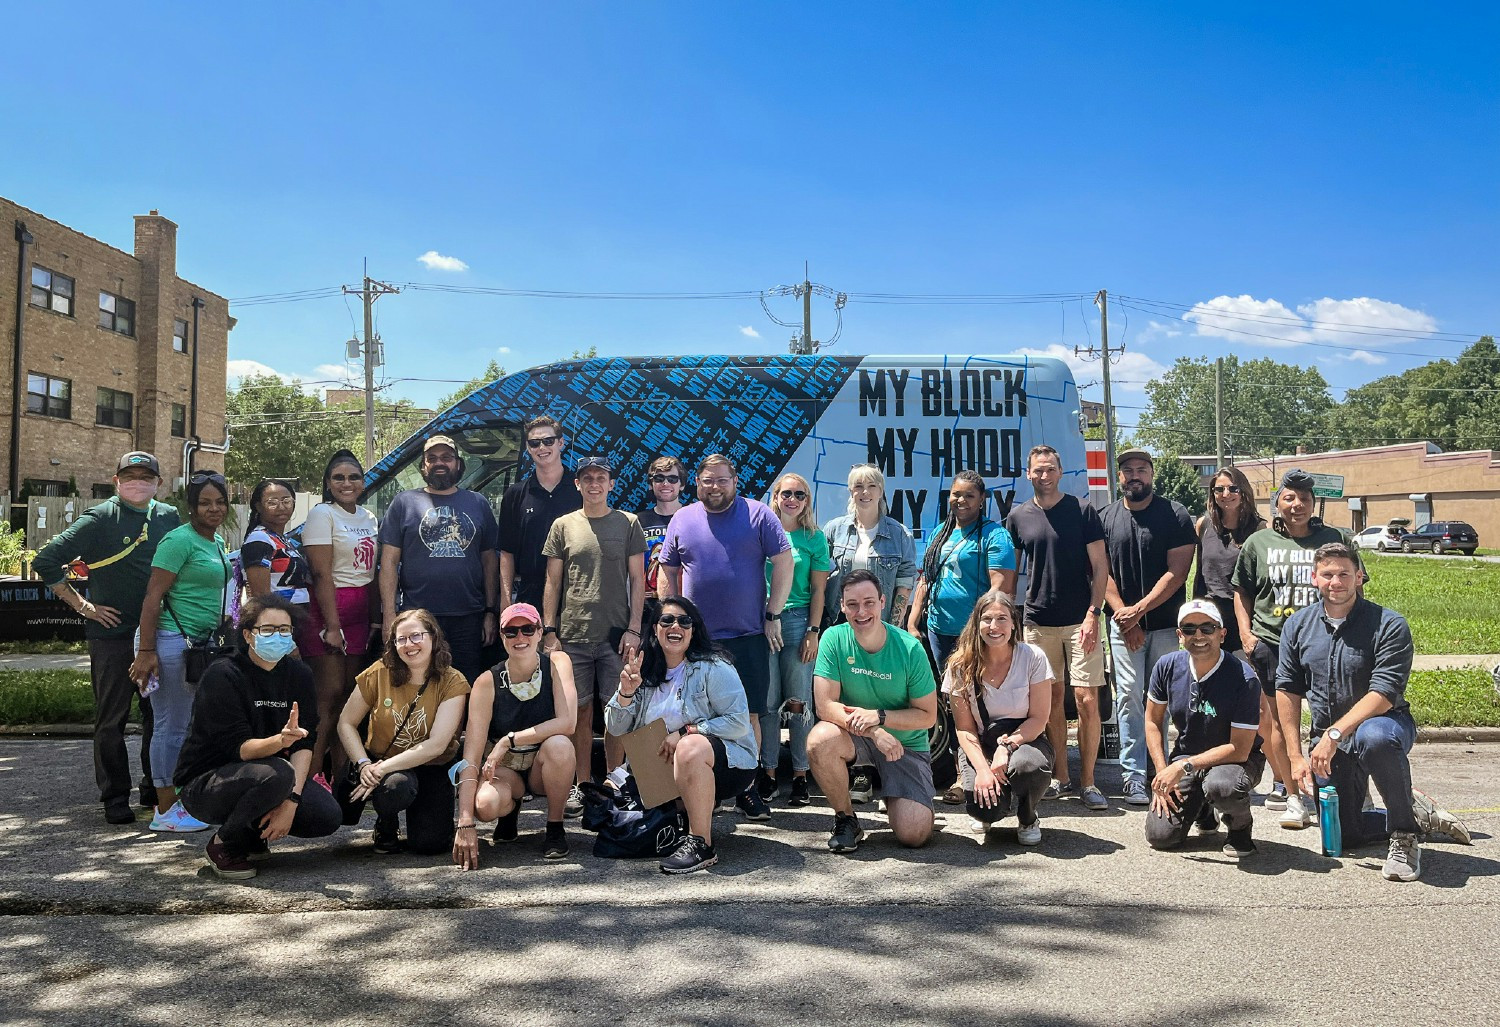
49	647
1453	698
46	697
1452	603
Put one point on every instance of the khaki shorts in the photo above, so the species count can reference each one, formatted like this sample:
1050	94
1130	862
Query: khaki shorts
1084	670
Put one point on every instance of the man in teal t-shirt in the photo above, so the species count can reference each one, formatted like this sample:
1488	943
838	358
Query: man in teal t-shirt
876	701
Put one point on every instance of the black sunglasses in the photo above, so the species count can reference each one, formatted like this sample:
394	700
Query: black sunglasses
1227	490
1204	628
674	620
796	494
657	479
542	443
201	477
520	629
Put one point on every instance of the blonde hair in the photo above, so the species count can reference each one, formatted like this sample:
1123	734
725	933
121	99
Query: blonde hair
867	472
806	520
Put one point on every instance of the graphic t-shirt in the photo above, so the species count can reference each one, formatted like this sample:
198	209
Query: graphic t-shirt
290	574
963	573
353	537
722	556
1205	711
1277	573
1011	700
1138	542
388	706
195	602
655	527
596	554
809	553
1058	573
441	540
886	680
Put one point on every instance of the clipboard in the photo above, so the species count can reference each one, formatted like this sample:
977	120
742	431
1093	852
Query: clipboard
653	775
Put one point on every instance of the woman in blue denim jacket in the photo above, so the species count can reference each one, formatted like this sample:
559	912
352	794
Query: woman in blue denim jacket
867	539
693	689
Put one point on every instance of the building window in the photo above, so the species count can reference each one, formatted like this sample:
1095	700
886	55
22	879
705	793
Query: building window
114	408
51	291
105	491
45	487
179	421
48	396
179	334
116	313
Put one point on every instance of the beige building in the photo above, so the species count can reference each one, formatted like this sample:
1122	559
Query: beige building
1415	480
110	351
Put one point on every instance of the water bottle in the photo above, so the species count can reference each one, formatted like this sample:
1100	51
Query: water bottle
1328	817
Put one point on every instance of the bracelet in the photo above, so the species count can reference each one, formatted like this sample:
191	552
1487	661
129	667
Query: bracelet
631	631
624	694
295	798
464	827
145	650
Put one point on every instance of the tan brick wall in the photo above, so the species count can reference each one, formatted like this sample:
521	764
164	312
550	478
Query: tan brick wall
76	348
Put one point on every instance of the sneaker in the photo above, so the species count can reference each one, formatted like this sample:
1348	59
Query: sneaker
1404	863
1093	798
860	789
765	784
954	796
977	826
1208	821
1240	843
1136	794
847	833
119	813
556	844
1295	817
1277	797
1030	834
1067	789
505	827
1433	819
176	820
259	849
1053	789
574	807
752	805
230	866
321	780
799	796
387	841
692	853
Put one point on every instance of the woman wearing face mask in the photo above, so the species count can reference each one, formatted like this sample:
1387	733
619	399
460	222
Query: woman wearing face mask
339	540
689	686
666	475
273	564
525	709
1000	689
867	539
414	699
185	600
801	621
245	763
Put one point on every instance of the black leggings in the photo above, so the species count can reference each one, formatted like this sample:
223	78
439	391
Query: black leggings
426	794
238	795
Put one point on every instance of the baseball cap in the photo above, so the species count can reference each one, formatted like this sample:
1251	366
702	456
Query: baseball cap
1134	453
139	459
1200	606
1298	479
519	611
440	440
593	461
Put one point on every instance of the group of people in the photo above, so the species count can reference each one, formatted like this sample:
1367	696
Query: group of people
445	663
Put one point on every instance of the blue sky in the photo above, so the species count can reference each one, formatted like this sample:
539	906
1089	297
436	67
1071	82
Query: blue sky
1289	169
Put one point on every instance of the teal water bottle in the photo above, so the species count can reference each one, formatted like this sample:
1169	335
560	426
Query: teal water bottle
1328	821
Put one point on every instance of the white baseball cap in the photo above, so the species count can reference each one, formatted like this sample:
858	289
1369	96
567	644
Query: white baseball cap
1202	606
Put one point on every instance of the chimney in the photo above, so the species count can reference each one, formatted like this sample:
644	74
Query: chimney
156	245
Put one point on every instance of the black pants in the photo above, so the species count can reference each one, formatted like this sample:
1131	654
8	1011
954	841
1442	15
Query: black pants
426	794
238	795
1027	775
465	635
109	666
1226	788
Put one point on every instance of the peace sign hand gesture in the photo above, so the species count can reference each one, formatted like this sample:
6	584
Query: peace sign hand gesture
630	672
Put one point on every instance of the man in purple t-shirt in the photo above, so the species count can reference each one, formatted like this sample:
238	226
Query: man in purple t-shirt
715	554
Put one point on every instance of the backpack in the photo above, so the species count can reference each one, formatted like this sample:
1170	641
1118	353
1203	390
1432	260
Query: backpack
626	829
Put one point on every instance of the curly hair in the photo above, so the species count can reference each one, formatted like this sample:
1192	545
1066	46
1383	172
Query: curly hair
254	608
442	656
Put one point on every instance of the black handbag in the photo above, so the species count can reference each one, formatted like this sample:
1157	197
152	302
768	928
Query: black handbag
202	652
626	829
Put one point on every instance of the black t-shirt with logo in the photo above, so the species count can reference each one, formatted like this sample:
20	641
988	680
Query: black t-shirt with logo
1205	711
1058	573
527	511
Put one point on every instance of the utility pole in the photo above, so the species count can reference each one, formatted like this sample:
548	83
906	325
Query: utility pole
1219	411
1102	302
807	339
804	343
369	293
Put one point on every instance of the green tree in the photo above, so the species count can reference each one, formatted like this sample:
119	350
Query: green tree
1269	407
1454	403
1177	481
492	372
279	431
395	420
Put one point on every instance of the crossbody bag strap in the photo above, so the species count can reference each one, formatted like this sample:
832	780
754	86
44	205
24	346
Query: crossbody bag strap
410	709
122	554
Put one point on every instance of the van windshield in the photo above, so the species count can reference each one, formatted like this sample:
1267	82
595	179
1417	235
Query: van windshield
491	457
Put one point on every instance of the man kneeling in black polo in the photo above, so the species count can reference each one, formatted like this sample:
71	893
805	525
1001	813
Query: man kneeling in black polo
1214	701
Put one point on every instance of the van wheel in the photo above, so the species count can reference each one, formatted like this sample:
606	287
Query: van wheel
944	766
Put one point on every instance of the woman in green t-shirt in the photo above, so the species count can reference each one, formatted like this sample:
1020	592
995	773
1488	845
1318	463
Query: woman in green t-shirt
184	603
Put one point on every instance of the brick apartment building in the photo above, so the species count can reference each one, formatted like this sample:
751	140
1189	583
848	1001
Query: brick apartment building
104	346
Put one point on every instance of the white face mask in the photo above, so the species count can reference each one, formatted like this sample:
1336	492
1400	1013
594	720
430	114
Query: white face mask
136	493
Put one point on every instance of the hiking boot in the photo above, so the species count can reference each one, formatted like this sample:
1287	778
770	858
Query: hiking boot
765	784
230	866
1277	797
799	796
1433	819
847	833
860	789
1295	817
1240	843
574	807
505	827
1030	834
556	844
752	805
1093	798
387	840
1404	862
692	853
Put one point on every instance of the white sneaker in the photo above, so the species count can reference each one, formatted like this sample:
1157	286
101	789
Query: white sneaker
1030	834
176	820
977	826
1295	817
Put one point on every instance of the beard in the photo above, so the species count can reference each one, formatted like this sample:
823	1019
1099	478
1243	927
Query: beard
1136	491
720	503
440	477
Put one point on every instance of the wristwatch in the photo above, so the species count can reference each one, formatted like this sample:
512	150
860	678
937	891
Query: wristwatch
1187	766
772	616
551	630
812	628
1335	734
1093	611
882	718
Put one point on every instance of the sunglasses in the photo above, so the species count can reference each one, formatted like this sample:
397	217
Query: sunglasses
672	620
200	477
1226	490
657	479
796	494
415	638
346	477
1203	628
520	629
542	443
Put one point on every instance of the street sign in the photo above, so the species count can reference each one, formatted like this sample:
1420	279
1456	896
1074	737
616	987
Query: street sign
1328	486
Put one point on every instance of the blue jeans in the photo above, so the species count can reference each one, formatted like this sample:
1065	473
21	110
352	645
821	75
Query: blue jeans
1379	749
791	681
171	706
1132	676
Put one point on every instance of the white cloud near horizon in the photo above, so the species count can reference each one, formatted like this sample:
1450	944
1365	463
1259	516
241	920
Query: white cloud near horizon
1249	321
749	332
502	349
435	261
235	370
1359	356
1129	372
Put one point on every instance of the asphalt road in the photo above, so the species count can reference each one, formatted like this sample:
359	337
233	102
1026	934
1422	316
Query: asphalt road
114	925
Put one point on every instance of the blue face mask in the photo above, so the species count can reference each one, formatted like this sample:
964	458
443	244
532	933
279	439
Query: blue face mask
273	649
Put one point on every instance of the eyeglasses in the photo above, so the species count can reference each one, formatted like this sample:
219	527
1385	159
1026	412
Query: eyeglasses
670	620
541	443
1201	628
287	501
796	494
722	483
415	638
657	479
1226	490
520	629
272	630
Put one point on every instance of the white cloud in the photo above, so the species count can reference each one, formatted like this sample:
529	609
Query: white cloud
1130	371
1249	321
1365	312
502	349
1359	356
238	369
1227	317
749	332
435	261
331	372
